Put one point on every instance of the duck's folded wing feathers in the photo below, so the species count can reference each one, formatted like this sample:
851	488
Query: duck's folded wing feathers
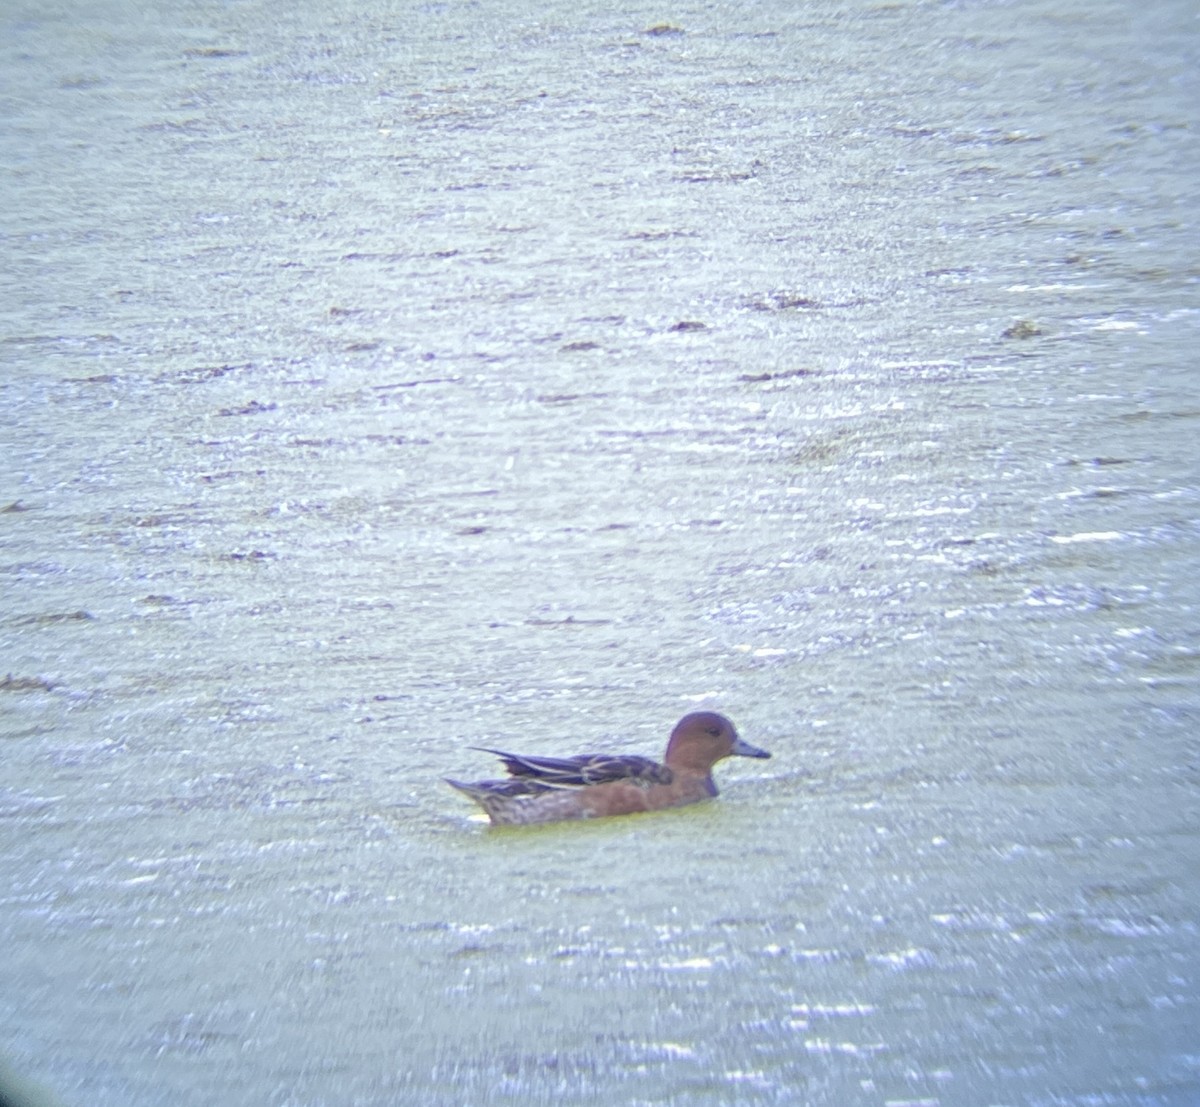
510	788
588	768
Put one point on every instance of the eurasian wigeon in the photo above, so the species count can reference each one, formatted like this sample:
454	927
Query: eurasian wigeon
550	789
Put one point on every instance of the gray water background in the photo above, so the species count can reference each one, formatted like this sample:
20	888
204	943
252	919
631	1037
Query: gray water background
348	422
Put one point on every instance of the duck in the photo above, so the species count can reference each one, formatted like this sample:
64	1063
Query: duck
599	785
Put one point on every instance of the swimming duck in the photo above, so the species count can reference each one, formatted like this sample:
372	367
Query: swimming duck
550	789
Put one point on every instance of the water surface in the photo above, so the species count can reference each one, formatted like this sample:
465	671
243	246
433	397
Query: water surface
384	380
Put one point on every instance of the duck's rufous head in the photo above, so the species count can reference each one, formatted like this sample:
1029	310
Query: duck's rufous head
702	739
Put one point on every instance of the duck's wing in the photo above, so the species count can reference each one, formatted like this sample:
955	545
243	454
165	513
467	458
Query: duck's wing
578	772
510	788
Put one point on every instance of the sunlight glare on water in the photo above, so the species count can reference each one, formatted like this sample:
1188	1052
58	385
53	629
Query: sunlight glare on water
381	382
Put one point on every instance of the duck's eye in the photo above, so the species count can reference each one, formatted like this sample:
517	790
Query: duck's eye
715	731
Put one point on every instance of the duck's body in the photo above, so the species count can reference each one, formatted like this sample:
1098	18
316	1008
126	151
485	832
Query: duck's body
551	789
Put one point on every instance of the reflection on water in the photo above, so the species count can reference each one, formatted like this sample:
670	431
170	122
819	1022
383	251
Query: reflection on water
381	386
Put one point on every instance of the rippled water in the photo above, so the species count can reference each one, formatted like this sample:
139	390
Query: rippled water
381	381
